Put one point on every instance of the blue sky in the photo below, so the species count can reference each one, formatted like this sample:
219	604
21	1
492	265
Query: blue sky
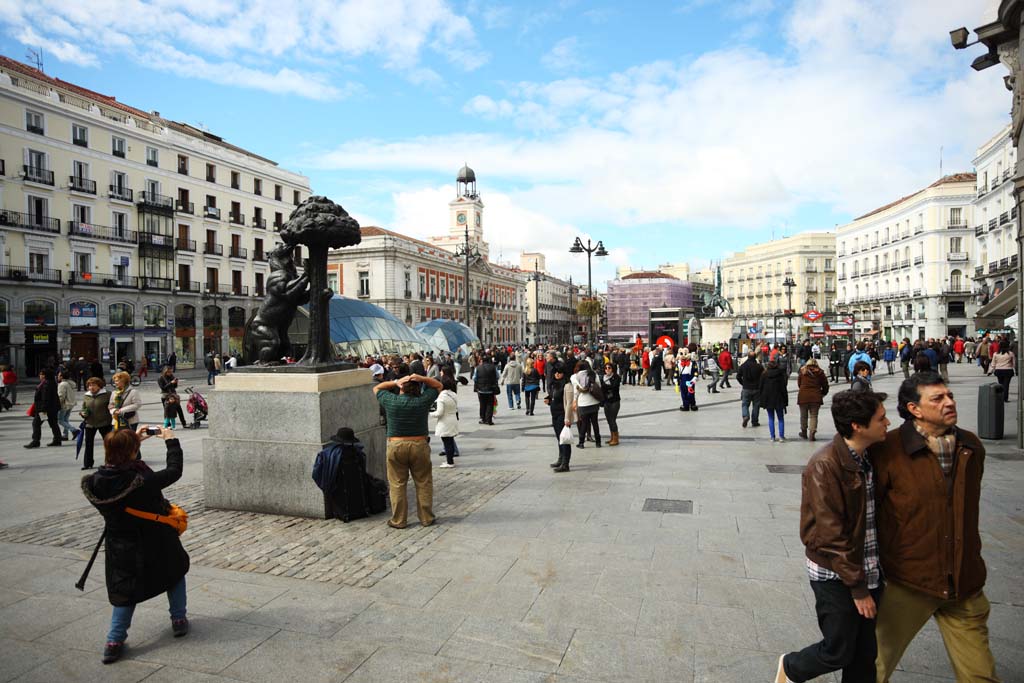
671	130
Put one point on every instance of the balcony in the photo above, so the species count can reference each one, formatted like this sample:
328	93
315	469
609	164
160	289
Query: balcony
917	292
162	283
34	174
918	229
408	294
118	153
957	256
236	218
993	266
278	225
213	249
152	162
918	260
979	230
258	291
979	271
121	193
842	278
811	287
156	239
957	290
211	212
260	223
182	168
423	296
1004	263
238	252
239	290
259	256
190	286
185	207
38	130
905	263
993	224
1004	218
182	244
76	184
433	297
152	200
102	232
874	271
103	280
214	288
22	274
29	221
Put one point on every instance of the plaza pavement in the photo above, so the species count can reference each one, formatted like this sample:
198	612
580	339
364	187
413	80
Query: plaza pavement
529	576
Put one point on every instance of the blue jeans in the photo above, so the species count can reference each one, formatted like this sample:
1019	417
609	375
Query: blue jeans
121	619
773	414
211	375
62	421
748	397
512	389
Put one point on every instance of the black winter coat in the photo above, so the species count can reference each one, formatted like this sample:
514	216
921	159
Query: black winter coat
143	558
486	379
749	374
773	392
46	400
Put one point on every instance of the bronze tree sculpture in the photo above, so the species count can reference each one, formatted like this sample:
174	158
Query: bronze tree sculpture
266	334
319	224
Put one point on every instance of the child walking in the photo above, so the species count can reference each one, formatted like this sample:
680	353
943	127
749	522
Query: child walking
171	407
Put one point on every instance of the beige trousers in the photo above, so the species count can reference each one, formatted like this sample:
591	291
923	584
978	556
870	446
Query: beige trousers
405	458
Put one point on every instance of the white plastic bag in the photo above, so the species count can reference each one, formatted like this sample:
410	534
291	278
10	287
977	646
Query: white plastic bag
565	438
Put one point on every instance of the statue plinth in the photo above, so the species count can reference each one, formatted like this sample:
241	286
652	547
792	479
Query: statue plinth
266	427
293	369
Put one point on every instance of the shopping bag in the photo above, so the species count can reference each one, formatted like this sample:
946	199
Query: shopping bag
565	437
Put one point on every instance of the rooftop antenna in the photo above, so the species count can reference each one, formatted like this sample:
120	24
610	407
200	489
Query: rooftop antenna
35	57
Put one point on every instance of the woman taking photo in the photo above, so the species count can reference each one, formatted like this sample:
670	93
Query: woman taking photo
143	557
560	399
610	383
125	403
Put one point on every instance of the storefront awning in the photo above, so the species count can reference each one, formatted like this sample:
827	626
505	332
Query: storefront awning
998	309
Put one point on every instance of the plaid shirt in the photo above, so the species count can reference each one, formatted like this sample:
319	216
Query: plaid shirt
872	571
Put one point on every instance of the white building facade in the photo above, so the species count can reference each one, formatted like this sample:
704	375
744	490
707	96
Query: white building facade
905	269
124	234
417	280
550	317
995	217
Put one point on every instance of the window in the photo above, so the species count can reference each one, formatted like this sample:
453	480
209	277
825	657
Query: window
955	216
121	264
182	164
954	244
119	186
83	263
120	315
79	135
257	186
364	283
828	264
957	309
295	198
152	156
278	220
257	218
118	146
212	277
236	180
120	223
332	281
277	192
211	173
36	164
40	313
34	122
236	282
81	213
408	283
423	286
259	284
184	277
155	316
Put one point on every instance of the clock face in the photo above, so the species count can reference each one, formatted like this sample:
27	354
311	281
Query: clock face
478	220
461	218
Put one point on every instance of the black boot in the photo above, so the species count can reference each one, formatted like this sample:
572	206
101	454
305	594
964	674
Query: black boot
597	441
564	460
557	463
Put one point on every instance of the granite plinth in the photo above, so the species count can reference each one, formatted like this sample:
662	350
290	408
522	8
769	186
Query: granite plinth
295	368
265	432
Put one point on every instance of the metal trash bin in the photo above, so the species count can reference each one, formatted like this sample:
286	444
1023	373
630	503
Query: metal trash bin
991	407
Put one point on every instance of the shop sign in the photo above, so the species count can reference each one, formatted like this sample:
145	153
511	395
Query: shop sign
83	314
40	338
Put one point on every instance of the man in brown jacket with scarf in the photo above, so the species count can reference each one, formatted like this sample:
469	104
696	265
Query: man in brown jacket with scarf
928	486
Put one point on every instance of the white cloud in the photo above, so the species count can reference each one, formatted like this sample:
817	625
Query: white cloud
64	51
564	56
215	35
847	114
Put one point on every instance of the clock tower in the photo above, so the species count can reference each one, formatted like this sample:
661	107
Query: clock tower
465	212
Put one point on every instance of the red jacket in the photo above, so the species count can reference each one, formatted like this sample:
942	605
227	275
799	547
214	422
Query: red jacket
645	360
958	346
725	360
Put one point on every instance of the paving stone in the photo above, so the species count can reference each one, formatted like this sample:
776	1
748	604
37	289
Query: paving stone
554	574
411	590
169	674
535	646
772	568
527	548
728	591
787	631
613	657
647	583
395	664
598	612
726	626
318	615
9	597
721	664
150	620
210	647
505	601
228	599
721	540
300	657
697	562
38	615
463	567
393	625
19	569
76	666
19	656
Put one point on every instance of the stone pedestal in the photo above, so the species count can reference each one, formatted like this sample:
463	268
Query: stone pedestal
265	432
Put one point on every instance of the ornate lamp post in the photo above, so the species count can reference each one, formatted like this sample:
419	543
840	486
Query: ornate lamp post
536	277
789	284
597	250
470	253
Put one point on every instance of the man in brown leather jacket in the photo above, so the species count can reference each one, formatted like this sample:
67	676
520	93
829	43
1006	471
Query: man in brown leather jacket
929	483
837	527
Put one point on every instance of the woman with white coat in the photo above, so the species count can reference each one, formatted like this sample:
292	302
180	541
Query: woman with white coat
446	411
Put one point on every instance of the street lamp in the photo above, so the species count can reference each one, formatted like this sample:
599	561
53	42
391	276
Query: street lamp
536	278
597	250
789	285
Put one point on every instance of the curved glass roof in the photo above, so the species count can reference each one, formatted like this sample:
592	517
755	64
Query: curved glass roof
450	335
359	328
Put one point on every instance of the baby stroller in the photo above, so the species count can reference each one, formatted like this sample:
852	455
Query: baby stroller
197	406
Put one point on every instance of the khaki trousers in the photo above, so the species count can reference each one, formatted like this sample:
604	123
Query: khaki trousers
962	622
403	458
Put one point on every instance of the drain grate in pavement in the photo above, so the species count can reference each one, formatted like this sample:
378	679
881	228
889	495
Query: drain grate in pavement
680	507
785	469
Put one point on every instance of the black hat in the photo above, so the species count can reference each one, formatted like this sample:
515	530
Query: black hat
346	435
